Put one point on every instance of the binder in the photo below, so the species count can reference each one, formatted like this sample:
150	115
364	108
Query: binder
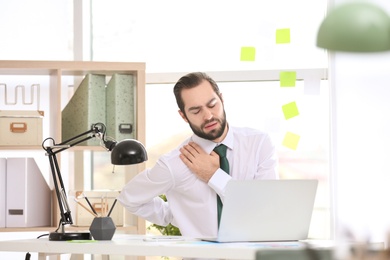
3	163
120	113
86	107
28	198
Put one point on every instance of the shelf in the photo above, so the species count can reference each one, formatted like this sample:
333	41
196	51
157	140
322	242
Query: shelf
39	148
72	68
57	73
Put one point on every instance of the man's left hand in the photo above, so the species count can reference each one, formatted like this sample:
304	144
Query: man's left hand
202	164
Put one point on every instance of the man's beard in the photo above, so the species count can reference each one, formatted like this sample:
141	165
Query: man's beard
214	134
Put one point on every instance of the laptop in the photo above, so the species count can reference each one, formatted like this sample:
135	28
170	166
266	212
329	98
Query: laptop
266	210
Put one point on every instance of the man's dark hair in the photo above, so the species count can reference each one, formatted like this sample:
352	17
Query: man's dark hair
191	80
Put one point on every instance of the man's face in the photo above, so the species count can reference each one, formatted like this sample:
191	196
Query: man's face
204	112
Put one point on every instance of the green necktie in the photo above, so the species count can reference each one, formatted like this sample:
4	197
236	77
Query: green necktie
224	165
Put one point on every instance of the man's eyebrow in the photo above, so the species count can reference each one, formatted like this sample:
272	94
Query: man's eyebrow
194	108
213	100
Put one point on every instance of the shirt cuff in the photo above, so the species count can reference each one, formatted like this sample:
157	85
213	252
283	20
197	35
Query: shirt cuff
219	181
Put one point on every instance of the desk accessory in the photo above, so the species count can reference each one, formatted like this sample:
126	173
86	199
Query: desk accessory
125	152
102	228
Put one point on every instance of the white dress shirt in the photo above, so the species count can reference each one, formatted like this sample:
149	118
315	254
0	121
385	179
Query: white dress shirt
192	203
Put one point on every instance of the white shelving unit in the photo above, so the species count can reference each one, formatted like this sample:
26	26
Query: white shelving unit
56	73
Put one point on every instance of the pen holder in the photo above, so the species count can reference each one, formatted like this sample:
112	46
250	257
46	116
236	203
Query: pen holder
102	228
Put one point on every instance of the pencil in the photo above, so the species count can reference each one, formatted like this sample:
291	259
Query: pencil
105	206
87	209
89	203
112	207
102	207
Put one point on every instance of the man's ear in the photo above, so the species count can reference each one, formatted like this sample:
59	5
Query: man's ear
183	116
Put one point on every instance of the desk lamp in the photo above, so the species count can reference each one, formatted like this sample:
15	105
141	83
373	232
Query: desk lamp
125	152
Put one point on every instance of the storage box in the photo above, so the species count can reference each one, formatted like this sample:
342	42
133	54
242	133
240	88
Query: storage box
86	107
81	217
120	114
21	127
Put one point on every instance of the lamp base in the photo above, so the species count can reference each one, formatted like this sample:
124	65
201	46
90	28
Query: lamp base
55	236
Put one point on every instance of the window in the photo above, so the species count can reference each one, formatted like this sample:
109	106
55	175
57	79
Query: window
174	37
260	106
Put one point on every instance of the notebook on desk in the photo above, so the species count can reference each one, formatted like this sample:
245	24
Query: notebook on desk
266	210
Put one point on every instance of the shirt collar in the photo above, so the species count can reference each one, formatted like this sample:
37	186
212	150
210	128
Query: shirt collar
208	145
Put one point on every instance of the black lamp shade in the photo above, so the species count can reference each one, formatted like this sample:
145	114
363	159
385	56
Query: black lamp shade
128	151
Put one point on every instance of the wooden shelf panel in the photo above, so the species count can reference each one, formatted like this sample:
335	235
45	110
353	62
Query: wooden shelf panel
73	68
39	148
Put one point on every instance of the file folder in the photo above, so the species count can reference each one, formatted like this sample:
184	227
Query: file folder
120	113
86	107
3	163
28	198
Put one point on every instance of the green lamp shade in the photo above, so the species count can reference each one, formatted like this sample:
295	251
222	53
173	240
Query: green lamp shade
128	151
355	27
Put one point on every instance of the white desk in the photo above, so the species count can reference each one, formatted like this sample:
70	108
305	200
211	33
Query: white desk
134	245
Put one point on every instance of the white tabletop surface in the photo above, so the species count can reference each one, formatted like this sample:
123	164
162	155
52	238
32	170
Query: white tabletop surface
137	246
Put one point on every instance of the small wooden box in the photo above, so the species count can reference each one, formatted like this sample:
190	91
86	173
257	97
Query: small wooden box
21	127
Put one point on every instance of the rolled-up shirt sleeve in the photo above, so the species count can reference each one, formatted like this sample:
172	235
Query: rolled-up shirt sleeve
140	196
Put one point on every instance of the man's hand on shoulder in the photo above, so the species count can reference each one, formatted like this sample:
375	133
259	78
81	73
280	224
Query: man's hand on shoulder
202	164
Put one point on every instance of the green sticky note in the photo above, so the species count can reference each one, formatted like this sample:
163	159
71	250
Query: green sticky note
290	110
248	54
282	36
291	140
287	78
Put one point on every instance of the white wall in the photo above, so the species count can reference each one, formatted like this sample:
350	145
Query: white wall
361	141
36	30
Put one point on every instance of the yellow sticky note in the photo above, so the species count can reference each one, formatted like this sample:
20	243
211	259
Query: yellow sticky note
282	36
291	140
248	54
290	110
287	78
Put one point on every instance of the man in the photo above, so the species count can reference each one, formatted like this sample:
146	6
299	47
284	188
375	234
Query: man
190	176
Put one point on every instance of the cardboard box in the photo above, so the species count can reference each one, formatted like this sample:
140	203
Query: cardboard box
21	127
81	217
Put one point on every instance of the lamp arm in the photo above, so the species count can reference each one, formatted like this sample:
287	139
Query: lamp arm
66	217
68	143
51	151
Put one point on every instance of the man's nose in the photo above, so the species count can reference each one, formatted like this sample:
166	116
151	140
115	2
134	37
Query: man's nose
207	115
